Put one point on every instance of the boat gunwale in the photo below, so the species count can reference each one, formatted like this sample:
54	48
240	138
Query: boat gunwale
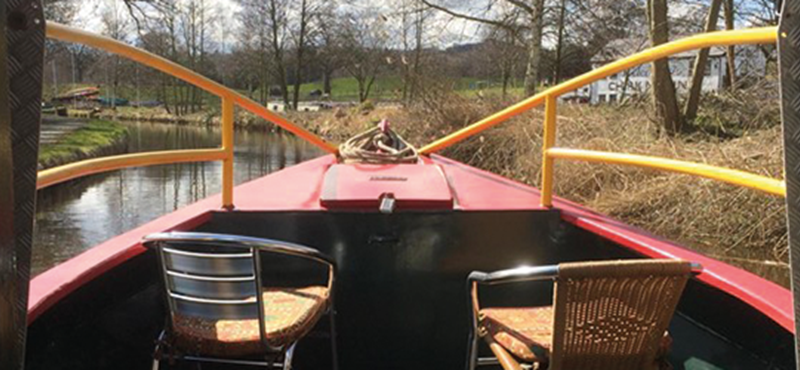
770	299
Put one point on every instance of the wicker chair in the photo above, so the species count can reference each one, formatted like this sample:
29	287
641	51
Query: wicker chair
219	310
605	315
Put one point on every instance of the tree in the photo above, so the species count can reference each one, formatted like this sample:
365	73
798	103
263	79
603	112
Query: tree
532	26
196	23
413	17
61	11
81	57
255	45
562	12
364	41
663	89
305	15
501	55
116	27
327	41
699	70
277	22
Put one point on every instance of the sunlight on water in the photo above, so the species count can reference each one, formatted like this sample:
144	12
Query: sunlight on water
75	216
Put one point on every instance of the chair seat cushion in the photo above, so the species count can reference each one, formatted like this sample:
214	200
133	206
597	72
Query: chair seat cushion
289	313
525	332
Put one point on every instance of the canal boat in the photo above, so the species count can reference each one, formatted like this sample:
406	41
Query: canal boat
404	245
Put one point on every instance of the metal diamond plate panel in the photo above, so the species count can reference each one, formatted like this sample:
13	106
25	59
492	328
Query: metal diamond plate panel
23	51
789	60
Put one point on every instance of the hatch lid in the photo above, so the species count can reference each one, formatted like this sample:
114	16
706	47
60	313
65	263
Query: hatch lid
364	186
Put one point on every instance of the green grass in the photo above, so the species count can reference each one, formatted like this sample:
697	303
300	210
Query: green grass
343	89
93	136
346	88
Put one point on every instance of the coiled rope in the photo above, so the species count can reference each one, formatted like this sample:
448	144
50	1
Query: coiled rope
378	145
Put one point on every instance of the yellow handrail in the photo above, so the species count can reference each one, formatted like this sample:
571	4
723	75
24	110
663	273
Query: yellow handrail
550	96
75	170
735	177
229	98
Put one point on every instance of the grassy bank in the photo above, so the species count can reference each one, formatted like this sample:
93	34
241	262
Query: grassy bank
97	138
343	89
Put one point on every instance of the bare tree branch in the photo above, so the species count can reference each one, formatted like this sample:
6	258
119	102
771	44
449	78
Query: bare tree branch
470	17
521	4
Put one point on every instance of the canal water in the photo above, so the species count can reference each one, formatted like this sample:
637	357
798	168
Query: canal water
78	215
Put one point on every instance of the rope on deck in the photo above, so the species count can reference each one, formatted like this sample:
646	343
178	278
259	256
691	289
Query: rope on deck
378	145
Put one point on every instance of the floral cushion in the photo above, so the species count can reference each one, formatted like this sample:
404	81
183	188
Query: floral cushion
525	332
289	314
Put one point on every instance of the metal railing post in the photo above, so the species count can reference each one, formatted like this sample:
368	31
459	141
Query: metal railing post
548	141
227	147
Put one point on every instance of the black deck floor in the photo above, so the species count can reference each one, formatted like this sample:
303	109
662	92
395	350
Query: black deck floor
401	295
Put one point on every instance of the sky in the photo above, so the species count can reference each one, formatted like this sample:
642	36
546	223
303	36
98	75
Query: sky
443	30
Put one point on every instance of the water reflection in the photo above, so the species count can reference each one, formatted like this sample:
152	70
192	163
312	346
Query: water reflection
75	216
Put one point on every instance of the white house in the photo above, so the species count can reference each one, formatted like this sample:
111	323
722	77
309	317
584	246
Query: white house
636	81
278	106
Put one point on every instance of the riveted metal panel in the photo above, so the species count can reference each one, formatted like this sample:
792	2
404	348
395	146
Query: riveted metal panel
789	61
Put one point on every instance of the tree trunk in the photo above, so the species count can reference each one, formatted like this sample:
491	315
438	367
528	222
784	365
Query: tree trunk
326	81
696	87
625	84
369	87
505	77
534	49
560	41
663	89
277	51
416	67
406	69
362	96
164	93
298	71
730	53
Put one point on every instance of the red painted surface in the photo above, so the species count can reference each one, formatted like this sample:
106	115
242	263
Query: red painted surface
476	190
362	186
295	188
481	190
300	188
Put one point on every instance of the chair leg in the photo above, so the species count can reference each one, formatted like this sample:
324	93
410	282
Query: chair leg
287	357
507	362
472	350
334	350
158	352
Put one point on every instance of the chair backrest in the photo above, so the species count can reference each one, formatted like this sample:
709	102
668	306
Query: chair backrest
613	315
211	282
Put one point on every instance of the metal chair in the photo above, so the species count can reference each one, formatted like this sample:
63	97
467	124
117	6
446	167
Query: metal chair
220	312
605	315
